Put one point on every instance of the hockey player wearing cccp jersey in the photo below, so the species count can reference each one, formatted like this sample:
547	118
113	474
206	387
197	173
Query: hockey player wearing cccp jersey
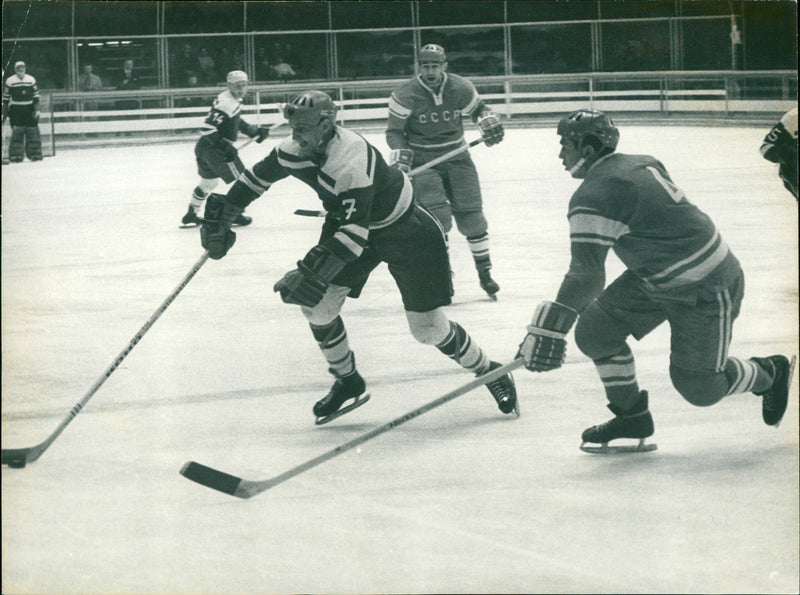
372	217
21	107
679	270
780	146
214	152
425	121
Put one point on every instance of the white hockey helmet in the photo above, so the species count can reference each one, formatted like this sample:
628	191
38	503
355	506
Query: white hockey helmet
236	76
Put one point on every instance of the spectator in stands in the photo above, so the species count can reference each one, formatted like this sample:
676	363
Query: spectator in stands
127	80
263	67
205	63
185	62
191	83
283	70
89	81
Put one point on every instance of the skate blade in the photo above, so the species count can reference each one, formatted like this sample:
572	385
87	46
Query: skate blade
359	401
190	226
605	449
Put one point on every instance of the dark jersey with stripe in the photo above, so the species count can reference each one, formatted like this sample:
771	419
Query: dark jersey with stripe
224	119
352	180
629	203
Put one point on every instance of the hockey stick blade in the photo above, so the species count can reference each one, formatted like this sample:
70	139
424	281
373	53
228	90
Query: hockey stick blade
19	457
310	213
243	488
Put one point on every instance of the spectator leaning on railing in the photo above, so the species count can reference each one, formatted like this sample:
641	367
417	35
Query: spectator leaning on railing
127	80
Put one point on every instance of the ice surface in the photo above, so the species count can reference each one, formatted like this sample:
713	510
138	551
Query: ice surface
460	500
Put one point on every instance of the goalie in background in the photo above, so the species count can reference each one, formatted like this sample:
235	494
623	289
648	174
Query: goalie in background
372	218
425	121
780	146
215	153
21	107
679	270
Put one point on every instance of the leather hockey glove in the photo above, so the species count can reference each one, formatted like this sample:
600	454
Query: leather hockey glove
545	346
401	159
302	286
262	132
491	129
215	234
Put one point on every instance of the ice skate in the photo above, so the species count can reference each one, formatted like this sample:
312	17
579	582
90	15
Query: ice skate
242	220
488	284
345	388
776	397
190	219
504	391
636	423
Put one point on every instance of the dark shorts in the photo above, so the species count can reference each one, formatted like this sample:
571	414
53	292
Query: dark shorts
700	333
414	249
211	163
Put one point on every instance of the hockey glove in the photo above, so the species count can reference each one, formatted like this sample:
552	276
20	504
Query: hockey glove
262	132
302	286
491	129
215	234
401	159
544	347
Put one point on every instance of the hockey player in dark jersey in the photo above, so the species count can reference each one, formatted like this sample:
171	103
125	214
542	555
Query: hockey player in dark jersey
679	270
425	121
372	217
21	106
780	146
214	152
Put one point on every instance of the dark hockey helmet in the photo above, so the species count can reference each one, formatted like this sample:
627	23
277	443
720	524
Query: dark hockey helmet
583	123
432	53
310	107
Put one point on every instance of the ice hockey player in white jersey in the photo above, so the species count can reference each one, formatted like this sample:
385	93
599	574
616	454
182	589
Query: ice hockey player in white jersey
215	153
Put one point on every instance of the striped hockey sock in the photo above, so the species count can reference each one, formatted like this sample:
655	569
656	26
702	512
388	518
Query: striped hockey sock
332	341
460	347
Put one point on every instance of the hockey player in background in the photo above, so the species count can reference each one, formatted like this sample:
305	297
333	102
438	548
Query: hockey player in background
780	146
215	153
425	121
21	107
679	270
372	217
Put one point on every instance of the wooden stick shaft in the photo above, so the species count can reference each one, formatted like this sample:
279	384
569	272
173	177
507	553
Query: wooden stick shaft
33	453
247	489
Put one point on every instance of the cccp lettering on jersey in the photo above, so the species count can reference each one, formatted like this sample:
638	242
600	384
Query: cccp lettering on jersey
442	116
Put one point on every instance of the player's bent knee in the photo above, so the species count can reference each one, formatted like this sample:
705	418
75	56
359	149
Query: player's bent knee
471	224
207	185
328	308
701	389
598	335
429	328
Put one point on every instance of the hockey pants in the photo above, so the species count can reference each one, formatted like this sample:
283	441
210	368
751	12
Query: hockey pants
25	141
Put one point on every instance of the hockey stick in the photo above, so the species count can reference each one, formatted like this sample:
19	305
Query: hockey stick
411	174
252	138
19	457
243	488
